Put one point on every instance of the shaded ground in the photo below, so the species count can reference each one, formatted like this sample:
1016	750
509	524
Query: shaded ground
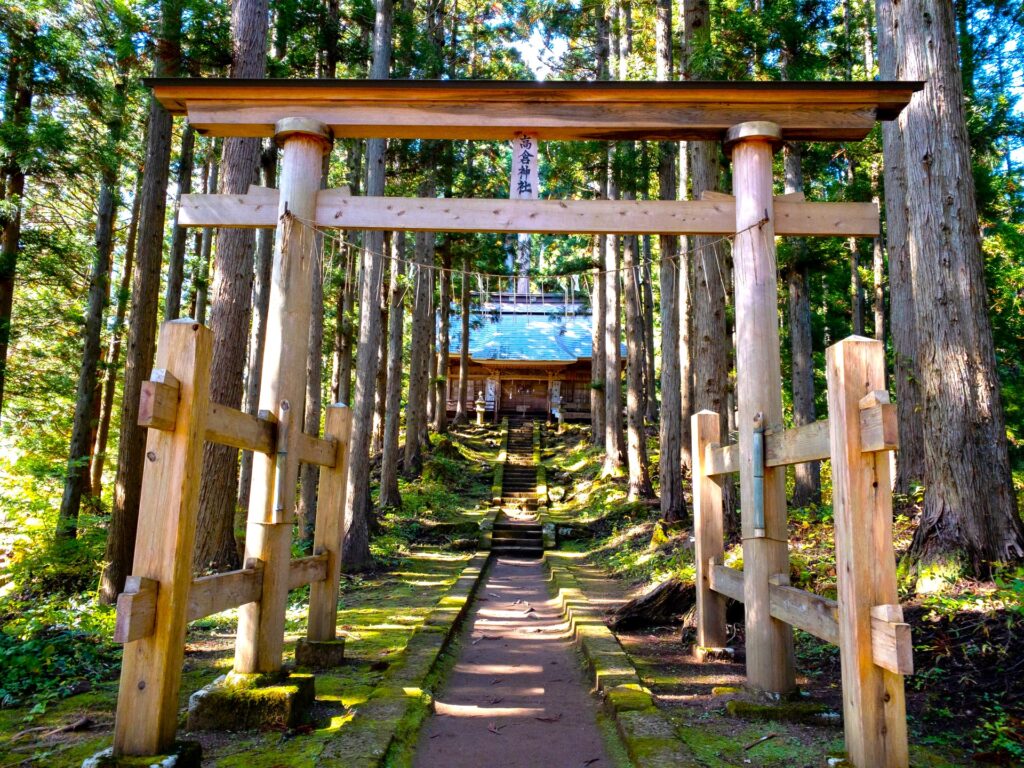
516	697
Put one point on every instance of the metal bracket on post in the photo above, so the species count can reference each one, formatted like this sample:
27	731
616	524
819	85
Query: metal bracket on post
757	458
281	507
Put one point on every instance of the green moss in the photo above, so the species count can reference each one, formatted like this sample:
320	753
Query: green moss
810	713
628	697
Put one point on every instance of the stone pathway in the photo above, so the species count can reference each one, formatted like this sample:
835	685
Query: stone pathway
517	697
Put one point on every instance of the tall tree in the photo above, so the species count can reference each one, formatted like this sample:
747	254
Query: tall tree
231	307
807	485
179	234
443	335
462	406
83	425
356	552
389	493
20	90
910	459
636	439
673	504
124	517
112	362
970	518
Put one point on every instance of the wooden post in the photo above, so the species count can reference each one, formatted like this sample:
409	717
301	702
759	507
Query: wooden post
709	535
283	389
147	702
330	527
874	709
770	663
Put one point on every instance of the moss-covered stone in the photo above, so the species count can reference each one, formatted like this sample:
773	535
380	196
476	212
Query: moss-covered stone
184	754
807	712
320	654
237	702
726	690
628	698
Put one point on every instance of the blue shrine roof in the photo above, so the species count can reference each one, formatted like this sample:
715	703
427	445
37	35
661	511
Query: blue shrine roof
537	333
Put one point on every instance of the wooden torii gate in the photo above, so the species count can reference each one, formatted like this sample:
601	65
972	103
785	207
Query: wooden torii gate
303	116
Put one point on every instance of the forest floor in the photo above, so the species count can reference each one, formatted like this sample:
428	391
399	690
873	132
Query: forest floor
965	702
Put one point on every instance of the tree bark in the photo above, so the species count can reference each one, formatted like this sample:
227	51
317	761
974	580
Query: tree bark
389	493
179	234
807	483
416	404
614	439
902	321
443	336
970	519
710	340
639	472
356	551
231	307
201	284
462	407
258	330
673	504
113	357
21	73
83	425
381	388
124	518
598	304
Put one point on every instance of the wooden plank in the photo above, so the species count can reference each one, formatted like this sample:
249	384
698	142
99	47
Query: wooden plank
147	711
329	533
230	426
158	401
316	450
710	217
721	460
879	430
709	533
769	642
726	581
307	570
502	120
797	445
812	613
891	645
221	591
887	97
874	709
136	610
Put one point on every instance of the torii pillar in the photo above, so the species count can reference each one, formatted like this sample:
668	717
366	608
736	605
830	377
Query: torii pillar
268	535
769	642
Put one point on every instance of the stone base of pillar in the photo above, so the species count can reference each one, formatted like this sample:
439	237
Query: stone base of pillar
320	654
238	702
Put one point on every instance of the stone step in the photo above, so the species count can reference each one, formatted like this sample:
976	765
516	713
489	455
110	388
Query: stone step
517	529
516	534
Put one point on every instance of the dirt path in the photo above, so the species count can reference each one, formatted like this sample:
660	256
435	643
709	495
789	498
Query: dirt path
517	697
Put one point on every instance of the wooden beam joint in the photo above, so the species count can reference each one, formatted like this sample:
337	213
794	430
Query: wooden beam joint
158	401
136	609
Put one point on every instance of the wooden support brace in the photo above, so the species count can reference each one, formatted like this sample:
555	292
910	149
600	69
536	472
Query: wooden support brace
136	609
709	533
158	401
307	570
316	450
878	426
891	645
230	426
147	705
726	581
329	533
221	591
873	640
793	446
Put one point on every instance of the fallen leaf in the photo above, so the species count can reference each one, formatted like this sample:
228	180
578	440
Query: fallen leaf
497	680
551	719
591	761
495	729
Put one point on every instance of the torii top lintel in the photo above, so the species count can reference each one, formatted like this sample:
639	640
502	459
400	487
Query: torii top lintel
560	111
